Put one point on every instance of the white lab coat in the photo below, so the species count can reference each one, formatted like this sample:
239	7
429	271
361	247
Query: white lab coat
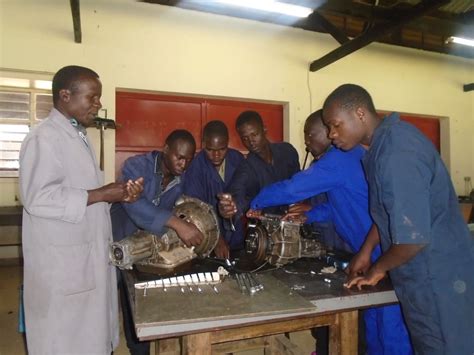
70	290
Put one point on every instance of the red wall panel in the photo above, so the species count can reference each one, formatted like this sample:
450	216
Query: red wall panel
146	120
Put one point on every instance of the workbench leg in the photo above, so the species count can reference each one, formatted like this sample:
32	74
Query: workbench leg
169	346
197	344
349	332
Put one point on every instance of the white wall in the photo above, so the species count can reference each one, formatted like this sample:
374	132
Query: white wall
142	46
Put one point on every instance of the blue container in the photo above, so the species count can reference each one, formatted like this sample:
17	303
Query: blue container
21	313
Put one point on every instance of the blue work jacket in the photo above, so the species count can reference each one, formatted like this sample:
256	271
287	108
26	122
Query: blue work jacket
154	207
412	201
340	175
254	173
204	182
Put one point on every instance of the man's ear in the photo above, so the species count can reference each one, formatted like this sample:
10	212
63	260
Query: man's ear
166	148
65	95
360	112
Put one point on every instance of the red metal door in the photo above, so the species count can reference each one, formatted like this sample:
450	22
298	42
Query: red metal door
144	120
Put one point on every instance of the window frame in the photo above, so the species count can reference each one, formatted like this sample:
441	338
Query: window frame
33	92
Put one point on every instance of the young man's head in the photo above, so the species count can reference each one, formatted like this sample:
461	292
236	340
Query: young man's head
252	132
215	142
178	152
76	93
350	116
316	134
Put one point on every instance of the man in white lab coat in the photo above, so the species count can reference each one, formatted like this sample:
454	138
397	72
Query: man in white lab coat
70	290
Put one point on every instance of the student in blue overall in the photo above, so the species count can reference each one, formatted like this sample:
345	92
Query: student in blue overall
427	248
161	172
341	176
209	174
266	163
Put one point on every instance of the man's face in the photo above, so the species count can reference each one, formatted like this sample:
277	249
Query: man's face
216	149
346	127
253	137
83	103
316	139
177	156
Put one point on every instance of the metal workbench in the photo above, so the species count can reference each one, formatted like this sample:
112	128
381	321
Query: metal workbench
297	291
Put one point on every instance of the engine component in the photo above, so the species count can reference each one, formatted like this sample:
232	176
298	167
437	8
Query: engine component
155	253
279	242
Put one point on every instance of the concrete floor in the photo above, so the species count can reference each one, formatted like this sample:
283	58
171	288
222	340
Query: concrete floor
13	343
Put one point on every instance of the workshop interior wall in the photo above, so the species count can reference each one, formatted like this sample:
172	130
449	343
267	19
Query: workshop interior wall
139	46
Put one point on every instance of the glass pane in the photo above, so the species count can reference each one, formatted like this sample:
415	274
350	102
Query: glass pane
20	83
14	96
44	104
43	84
14	105
11	136
44	98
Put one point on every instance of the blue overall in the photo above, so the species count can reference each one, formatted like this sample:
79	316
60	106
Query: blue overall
154	207
341	176
254	173
413	201
204	182
150	212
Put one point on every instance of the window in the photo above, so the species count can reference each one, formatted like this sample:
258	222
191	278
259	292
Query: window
24	102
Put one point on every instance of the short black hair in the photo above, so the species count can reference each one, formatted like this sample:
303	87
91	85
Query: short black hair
349	97
68	77
315	118
247	117
215	128
180	134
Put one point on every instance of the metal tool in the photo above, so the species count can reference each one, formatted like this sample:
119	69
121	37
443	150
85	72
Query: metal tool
305	158
231	222
102	124
247	283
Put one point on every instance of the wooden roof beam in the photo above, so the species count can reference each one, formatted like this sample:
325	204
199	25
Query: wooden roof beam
377	31
76	20
338	35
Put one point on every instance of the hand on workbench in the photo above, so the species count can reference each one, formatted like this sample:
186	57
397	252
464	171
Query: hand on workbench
187	232
372	278
359	265
134	190
227	205
222	249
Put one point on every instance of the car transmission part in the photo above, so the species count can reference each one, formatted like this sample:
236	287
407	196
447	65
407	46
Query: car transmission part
153	253
279	242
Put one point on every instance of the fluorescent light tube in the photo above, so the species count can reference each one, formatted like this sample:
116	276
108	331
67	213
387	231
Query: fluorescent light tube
271	6
459	40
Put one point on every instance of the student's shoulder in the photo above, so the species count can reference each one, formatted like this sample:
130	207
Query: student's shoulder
141	160
355	153
403	137
286	148
235	154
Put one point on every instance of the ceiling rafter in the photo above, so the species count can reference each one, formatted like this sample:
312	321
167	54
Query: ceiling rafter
76	20
376	32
